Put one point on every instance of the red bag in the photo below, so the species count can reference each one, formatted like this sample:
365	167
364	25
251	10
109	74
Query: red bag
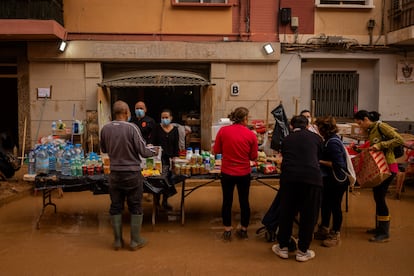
371	168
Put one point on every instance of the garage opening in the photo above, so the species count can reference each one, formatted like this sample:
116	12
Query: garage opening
178	90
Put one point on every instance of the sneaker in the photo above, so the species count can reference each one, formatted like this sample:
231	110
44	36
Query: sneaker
242	234
322	233
226	236
281	252
334	239
305	256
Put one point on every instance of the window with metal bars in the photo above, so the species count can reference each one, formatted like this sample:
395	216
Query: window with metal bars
335	93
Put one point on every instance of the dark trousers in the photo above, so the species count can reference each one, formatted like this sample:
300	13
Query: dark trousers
228	183
299	198
380	192
332	204
125	186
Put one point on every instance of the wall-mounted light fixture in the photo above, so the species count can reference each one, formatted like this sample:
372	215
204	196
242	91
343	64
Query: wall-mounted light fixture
268	48
62	46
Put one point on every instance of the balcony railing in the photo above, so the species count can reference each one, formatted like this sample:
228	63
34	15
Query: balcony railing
401	14
32	9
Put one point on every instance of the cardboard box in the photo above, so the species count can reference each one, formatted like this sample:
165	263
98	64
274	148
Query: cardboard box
344	129
356	130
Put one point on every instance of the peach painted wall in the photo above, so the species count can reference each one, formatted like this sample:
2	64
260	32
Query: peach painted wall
144	16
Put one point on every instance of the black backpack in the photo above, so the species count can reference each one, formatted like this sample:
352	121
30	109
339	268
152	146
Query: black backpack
398	151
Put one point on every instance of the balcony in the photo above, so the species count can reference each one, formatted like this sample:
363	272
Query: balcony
25	20
401	20
32	9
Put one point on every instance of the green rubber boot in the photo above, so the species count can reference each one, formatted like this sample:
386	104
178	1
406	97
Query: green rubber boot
373	231
116	221
137	241
383	232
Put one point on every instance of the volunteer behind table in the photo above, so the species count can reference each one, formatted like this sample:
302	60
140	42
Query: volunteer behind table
238	146
166	135
145	123
369	122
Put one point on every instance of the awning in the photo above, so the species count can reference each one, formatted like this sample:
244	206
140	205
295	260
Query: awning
157	78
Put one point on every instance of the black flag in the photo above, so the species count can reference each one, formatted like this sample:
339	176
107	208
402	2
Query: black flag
281	129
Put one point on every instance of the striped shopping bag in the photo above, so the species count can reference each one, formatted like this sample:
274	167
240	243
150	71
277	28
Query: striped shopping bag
371	168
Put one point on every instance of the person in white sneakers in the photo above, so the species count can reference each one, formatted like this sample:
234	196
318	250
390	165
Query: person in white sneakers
300	188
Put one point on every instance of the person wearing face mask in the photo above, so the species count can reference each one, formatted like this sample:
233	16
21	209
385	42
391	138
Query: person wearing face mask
166	135
311	126
145	123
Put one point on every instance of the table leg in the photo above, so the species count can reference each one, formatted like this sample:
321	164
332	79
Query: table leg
47	200
346	199
182	211
154	211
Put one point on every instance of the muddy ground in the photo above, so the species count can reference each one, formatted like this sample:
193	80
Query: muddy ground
77	239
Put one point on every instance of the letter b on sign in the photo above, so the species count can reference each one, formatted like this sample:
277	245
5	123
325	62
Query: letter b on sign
235	89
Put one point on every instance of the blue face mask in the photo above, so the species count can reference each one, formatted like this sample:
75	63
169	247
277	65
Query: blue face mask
165	122
129	118
139	113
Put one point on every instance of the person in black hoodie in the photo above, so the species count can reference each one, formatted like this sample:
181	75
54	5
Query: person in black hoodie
300	188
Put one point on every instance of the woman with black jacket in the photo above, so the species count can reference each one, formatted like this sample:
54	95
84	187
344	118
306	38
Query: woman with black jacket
335	182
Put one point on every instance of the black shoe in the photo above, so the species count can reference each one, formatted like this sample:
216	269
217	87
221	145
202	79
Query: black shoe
242	234
226	236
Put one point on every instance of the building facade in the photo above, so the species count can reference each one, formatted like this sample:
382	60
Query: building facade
202	59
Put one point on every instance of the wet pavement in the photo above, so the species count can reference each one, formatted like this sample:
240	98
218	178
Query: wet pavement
77	239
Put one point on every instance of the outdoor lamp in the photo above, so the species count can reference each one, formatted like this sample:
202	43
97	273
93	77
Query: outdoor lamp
62	46
268	48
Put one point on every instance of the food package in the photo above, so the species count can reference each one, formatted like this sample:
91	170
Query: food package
371	168
259	126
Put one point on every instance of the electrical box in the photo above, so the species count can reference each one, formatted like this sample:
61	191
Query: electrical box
285	15
294	23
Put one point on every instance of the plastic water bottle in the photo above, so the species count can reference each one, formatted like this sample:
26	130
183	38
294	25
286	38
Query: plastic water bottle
42	161
207	163
52	157
79	152
189	153
32	162
54	127
66	158
59	154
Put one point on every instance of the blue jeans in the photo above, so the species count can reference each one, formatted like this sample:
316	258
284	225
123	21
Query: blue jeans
125	186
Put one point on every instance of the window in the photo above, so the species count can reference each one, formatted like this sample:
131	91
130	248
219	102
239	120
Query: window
335	93
201	1
347	4
197	3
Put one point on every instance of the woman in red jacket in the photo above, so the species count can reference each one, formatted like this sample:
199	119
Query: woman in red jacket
238	146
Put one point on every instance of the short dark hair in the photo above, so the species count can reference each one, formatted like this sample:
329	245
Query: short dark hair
304	111
373	116
299	121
